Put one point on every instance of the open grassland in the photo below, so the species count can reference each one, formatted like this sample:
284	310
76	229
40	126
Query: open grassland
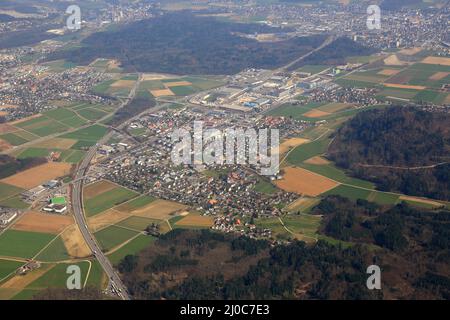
303	182
23	244
41	222
107	200
113	236
34	177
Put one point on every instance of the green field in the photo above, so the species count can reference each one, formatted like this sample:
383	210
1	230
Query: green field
348	83
308	150
74	122
113	236
13	139
15	203
133	247
92	114
349	192
23	244
430	97
107	200
303	224
137	203
383	198
264	186
82	144
43	126
56	277
56	251
34	153
7	267
74	157
92	133
295	111
332	172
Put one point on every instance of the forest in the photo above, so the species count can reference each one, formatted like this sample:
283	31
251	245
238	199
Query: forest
400	149
410	246
336	53
182	43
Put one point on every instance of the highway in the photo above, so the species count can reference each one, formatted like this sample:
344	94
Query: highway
77	206
77	201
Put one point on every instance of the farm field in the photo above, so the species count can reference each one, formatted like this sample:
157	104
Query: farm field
331	171
349	192
133	247
264	186
183	86
41	222
92	133
107	200
307	151
56	251
7	191
74	242
8	266
42	126
35	176
288	144
23	244
159	209
194	220
303	204
303	182
113	236
55	276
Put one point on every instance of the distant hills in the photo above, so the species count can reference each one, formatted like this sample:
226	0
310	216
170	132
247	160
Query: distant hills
183	43
399	148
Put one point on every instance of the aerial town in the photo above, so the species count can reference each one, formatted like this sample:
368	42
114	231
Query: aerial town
88	175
